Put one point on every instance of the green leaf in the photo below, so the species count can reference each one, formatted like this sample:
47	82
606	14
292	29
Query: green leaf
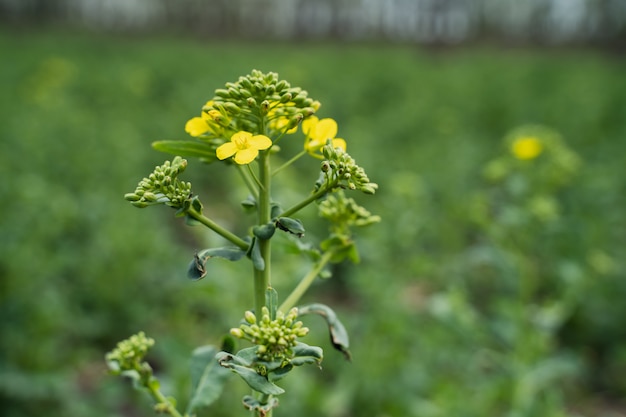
197	268
305	354
264	232
338	334
289	225
187	148
253	404
242	368
255	255
207	378
271	301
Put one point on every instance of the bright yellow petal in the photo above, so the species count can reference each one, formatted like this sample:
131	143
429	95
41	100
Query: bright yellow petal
196	126
241	137
313	145
308	125
226	150
325	129
339	143
245	156
260	142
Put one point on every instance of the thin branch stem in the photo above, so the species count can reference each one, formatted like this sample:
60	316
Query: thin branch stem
288	163
218	229
319	193
252	186
161	399
305	283
256	179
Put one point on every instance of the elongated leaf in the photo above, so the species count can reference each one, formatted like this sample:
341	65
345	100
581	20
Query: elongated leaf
255	255
271	301
207	378
186	148
338	334
256	381
197	268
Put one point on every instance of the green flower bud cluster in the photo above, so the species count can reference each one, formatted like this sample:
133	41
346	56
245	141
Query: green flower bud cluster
162	186
274	338
344	212
341	169
129	353
258	96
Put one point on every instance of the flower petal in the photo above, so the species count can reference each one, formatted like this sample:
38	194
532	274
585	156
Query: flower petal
245	156
226	150
260	142
339	143
308	125
196	126
325	129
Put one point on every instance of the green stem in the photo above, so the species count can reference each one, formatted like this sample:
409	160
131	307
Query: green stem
305	283
262	279
249	183
319	193
161	399
288	163
218	229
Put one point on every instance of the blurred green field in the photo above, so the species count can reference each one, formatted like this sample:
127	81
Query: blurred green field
453	310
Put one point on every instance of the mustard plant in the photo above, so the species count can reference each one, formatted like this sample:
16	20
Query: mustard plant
240	128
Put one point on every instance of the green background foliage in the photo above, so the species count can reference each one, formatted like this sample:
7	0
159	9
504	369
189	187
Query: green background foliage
450	313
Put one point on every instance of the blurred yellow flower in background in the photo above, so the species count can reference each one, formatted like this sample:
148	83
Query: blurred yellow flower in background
526	148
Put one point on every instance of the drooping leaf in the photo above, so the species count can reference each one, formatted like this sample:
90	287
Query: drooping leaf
197	267
338	334
207	378
186	148
255	255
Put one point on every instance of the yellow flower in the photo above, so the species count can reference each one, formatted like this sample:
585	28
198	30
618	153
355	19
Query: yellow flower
318	132
526	148
244	146
197	126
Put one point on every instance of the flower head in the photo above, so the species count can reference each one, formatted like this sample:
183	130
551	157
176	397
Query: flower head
274	338
318	132
244	146
526	147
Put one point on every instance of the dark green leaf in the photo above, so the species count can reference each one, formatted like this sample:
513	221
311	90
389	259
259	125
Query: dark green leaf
256	381
207	378
197	267
255	255
289	225
304	354
264	232
186	148
338	334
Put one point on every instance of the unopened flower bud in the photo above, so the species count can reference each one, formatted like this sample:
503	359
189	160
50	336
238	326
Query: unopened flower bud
250	317
237	332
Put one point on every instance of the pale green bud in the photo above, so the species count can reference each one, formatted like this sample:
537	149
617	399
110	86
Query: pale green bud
250	317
